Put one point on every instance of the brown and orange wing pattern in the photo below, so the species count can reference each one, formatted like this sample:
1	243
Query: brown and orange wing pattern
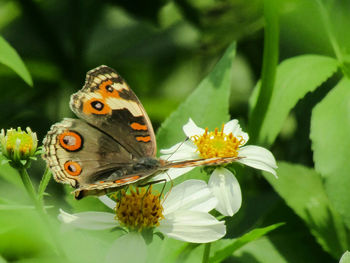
84	157
107	103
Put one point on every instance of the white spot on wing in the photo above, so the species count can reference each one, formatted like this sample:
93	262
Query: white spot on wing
103	77
118	104
120	87
97	80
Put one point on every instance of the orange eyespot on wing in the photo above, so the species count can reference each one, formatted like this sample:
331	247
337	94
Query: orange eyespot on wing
72	168
138	127
96	106
127	180
71	141
143	138
106	89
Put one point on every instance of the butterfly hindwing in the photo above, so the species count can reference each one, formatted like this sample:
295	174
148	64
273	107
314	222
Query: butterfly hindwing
86	158
107	103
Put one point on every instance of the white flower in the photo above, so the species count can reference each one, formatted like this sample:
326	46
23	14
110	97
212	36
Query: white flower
226	143
345	257
185	217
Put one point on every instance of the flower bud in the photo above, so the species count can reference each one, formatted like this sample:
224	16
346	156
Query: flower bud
18	146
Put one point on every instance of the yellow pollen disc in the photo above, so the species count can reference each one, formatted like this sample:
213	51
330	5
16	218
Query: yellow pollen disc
24	139
217	144
139	209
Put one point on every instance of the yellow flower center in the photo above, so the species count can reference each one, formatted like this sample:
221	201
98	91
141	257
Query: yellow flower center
217	144
139	210
19	140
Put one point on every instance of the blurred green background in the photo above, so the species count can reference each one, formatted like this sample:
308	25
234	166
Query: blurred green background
163	49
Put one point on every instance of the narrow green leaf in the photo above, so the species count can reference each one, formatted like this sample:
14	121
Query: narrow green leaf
44	182
330	129
208	105
295	78
15	207
303	191
263	250
345	258
240	242
10	58
2	260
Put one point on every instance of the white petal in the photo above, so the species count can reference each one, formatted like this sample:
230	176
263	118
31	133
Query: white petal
191	195
233	126
89	220
193	226
258	157
180	151
107	201
345	257
172	173
130	248
226	189
191	129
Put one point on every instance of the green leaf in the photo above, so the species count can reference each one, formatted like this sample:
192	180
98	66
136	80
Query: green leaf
263	250
167	250
208	105
9	174
240	242
15	207
330	129
303	191
44	182
295	77
10	58
345	258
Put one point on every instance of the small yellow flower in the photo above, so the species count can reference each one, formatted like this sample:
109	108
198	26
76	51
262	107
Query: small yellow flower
217	143
18	146
140	209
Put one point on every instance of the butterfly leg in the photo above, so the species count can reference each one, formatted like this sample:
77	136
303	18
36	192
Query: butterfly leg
119	195
149	184
171	186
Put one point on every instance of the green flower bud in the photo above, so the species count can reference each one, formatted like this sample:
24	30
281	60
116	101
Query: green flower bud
18	146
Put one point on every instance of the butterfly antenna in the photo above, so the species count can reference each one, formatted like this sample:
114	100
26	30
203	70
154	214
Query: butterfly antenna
178	148
171	187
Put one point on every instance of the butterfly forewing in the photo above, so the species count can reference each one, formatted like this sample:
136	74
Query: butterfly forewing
107	103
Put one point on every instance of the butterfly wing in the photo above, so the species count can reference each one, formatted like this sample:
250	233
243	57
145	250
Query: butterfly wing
107	103
86	158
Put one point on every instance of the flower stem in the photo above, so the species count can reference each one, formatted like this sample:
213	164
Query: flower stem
206	253
29	186
269	67
332	38
40	206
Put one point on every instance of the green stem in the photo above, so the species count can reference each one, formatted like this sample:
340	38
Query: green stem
332	38
206	253
40	207
269	67
29	186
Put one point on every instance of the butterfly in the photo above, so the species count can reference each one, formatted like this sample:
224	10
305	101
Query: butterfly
112	144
